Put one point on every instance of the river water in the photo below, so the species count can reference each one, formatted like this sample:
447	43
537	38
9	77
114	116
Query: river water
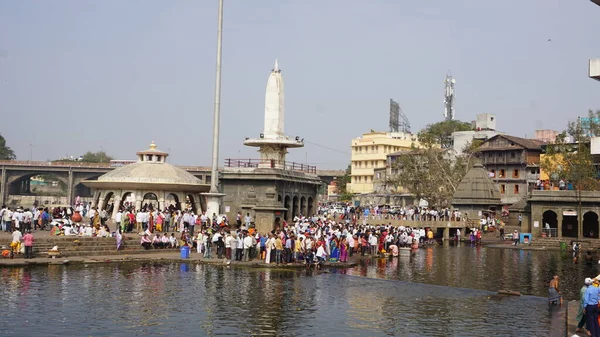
443	291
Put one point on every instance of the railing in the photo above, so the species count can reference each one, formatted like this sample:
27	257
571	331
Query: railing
53	163
266	163
550	232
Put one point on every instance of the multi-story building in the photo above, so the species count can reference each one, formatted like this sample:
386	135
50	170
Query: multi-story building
370	151
513	163
484	128
548	136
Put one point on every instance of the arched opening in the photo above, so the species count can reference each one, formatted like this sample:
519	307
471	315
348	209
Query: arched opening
108	201
287	205
550	223
191	203
80	190
150	201
294	207
311	207
38	184
590	225
279	198
569	224
128	200
303	206
172	202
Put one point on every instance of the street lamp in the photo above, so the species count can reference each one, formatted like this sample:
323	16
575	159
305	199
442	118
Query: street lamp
213	197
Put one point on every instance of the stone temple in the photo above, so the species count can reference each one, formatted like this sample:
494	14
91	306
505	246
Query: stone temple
476	193
271	189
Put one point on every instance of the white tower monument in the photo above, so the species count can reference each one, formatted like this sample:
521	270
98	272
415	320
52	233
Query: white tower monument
273	143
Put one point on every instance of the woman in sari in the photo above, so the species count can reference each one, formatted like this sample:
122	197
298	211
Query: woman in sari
151	221
119	238
333	244
343	250
96	221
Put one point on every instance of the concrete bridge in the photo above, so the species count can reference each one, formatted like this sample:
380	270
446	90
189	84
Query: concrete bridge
16	177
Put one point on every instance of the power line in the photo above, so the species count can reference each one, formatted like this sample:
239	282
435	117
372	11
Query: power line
325	147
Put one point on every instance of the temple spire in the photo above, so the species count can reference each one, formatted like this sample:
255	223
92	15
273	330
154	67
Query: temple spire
276	67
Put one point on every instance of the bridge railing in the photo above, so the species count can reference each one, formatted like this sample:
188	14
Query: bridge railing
254	163
52	163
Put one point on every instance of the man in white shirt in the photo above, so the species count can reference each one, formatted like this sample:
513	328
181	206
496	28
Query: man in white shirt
248	243
139	218
17	218
118	218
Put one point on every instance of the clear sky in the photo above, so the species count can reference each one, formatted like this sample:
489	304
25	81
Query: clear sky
85	75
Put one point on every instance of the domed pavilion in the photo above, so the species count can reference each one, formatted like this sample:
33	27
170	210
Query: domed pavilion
149	181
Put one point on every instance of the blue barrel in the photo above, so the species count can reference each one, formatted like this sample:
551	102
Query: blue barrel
185	252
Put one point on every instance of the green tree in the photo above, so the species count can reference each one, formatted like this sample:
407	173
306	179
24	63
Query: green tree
6	153
96	157
91	157
432	173
440	134
342	183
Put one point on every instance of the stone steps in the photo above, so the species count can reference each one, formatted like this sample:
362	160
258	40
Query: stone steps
89	246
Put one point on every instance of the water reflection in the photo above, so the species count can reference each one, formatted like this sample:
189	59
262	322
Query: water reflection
483	268
372	299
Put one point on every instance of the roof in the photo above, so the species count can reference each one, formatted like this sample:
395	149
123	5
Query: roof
150	172
529	144
476	188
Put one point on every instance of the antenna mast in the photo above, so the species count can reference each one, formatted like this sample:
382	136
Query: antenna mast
449	98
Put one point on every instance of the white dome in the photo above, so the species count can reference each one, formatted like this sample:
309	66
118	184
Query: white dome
150	172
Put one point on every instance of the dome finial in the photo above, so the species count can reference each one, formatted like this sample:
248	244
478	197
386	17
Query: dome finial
153	146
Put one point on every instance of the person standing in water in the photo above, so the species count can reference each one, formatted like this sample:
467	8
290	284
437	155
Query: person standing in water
554	295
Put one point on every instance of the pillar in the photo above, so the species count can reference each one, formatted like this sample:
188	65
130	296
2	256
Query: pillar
117	206
559	220
446	234
3	187
101	201
138	200
580	223
95	198
70	187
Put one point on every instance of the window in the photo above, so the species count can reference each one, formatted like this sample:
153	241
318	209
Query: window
516	189
207	180
378	175
490	155
502	189
492	173
516	173
513	155
501	175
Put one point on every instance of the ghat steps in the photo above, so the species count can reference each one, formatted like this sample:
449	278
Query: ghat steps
88	246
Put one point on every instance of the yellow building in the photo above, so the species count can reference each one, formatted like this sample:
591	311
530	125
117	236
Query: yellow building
370	152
